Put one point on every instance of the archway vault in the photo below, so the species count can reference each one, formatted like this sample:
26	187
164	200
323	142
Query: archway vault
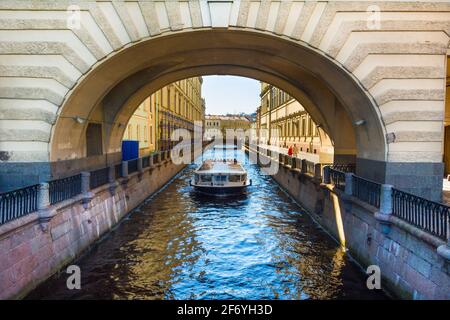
112	91
324	53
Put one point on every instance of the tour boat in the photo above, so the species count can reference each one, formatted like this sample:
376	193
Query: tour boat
220	177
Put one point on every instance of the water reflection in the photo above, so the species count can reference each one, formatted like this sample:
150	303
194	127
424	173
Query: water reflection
185	245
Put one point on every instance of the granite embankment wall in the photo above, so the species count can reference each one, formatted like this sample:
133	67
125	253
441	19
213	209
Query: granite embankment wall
31	251
409	263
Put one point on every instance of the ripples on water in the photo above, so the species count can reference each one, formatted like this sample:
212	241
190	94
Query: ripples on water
184	245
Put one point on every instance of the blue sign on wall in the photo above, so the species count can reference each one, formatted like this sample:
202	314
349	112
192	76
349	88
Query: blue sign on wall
130	150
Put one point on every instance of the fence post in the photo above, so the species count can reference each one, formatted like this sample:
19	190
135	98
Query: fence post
384	214
43	205
294	163
43	196
386	199
111	174
349	183
112	179
326	175
444	250
318	171
304	167
85	188
125	169
139	165
150	160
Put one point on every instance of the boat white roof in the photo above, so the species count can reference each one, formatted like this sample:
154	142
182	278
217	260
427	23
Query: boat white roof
219	166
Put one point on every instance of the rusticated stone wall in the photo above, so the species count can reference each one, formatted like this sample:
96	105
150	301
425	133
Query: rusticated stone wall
30	255
410	266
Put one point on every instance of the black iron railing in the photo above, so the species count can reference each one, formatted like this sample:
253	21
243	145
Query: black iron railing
310	167
337	178
65	188
366	190
18	203
345	167
99	178
146	162
118	171
132	166
427	215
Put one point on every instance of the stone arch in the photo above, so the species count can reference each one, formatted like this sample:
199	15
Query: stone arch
399	66
323	87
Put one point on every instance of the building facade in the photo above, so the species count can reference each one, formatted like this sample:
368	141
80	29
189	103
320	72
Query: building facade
178	105
142	126
282	121
217	125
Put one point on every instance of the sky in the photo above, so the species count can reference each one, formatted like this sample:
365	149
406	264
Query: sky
230	94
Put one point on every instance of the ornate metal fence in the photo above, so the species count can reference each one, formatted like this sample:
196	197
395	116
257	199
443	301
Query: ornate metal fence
63	189
18	203
310	167
337	178
146	162
132	166
430	216
99	177
366	190
351	167
118	170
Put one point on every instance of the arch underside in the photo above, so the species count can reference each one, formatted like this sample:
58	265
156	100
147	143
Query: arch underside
113	89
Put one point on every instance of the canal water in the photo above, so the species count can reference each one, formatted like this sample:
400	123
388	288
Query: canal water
184	245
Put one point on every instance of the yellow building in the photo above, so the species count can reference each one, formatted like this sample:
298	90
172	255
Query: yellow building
141	127
177	105
218	124
287	123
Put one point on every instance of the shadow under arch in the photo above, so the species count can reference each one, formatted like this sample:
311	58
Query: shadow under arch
114	87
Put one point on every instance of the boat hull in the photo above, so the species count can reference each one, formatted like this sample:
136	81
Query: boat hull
221	190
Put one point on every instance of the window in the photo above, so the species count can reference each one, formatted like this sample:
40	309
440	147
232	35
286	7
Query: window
234	178
303	127
206	178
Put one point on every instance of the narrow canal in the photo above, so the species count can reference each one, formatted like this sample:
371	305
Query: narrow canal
183	245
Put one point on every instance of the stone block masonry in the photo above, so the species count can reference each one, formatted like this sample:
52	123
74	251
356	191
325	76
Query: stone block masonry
29	255
410	265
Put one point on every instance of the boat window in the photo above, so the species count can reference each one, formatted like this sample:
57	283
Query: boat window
244	177
206	178
196	177
220	178
234	178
